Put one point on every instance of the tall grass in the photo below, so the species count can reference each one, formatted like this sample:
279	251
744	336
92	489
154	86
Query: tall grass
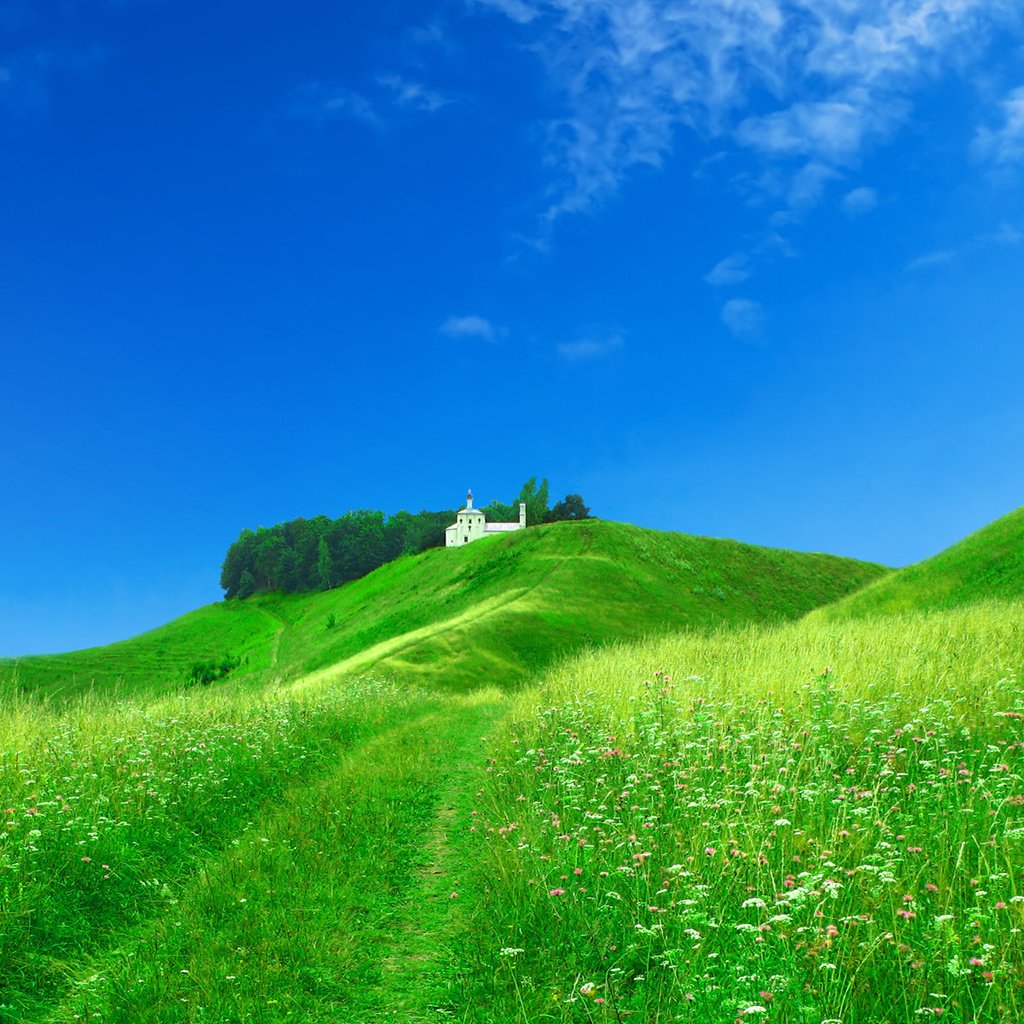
335	909
812	823
103	805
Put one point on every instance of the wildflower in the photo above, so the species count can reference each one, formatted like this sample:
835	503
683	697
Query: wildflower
557	892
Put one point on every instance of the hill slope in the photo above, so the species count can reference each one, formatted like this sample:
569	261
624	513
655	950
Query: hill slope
987	565
498	610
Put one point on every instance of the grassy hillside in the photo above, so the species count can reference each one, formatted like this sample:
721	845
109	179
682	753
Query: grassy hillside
989	564
498	610
796	823
782	819
155	661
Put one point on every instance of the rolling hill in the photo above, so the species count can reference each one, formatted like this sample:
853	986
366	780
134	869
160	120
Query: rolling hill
987	565
499	610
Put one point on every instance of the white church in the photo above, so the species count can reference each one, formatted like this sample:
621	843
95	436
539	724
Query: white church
471	524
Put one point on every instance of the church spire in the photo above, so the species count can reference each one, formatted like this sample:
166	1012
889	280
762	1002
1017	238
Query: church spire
469	500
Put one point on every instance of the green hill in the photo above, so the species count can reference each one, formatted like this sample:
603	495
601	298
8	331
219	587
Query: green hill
987	565
499	610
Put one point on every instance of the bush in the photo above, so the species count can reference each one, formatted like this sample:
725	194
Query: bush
202	673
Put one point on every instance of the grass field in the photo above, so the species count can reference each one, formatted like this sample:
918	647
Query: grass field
761	817
505	607
814	822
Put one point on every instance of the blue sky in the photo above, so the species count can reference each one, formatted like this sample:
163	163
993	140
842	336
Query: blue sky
740	268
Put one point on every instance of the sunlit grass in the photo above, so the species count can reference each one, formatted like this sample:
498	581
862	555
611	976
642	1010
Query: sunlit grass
806	824
797	823
103	806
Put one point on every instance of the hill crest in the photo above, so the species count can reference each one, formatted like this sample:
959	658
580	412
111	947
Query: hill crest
500	609
986	565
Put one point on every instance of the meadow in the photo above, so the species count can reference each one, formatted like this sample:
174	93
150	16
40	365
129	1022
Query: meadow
819	822
765	816
107	807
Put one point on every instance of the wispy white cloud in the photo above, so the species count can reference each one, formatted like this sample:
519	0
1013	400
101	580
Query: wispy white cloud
1005	234
743	317
808	184
472	326
859	201
393	92
831	132
802	85
414	95
1003	145
591	348
430	34
318	103
733	269
349	103
736	268
935	258
518	10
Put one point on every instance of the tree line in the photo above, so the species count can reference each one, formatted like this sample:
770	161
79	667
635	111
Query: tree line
321	553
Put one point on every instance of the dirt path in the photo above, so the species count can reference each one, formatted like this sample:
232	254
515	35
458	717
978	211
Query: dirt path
418	981
334	907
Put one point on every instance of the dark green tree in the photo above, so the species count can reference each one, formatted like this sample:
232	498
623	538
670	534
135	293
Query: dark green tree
323	564
236	561
570	508
499	512
536	499
247	585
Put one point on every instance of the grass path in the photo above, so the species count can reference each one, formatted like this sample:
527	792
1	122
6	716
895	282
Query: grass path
394	647
450	633
335	907
420	981
275	646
